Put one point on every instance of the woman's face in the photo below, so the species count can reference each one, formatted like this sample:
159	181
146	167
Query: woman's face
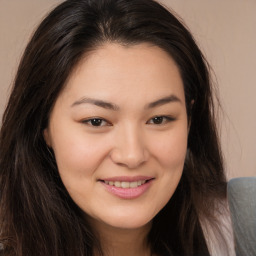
119	133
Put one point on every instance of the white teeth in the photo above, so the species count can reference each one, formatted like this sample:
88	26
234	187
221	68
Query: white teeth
125	184
117	184
135	184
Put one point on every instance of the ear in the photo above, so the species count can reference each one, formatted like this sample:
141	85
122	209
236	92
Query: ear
47	137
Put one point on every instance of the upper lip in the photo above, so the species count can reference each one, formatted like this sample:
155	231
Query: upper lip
127	178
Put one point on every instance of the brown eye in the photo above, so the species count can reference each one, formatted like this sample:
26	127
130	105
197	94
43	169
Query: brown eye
96	122
157	120
160	120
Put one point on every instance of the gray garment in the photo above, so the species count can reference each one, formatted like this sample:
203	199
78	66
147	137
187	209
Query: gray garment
242	203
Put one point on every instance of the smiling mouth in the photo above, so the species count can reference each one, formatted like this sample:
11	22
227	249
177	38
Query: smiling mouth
125	184
127	187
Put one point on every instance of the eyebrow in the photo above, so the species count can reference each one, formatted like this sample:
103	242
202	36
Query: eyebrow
163	101
99	103
112	106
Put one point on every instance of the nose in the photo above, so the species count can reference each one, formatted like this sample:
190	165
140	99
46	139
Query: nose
129	148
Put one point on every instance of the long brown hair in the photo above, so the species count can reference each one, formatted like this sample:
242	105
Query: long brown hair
37	215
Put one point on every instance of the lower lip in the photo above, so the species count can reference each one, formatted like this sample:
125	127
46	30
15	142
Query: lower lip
128	193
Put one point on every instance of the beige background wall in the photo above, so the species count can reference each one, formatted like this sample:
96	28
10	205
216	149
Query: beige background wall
226	32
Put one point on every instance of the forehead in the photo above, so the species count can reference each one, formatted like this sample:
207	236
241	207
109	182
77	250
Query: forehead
114	69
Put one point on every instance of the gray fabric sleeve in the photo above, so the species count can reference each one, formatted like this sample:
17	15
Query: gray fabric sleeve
242	204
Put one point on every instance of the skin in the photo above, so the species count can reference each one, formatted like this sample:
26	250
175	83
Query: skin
129	142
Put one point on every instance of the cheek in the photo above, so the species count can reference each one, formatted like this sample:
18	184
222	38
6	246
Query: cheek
171	148
78	155
78	159
170	151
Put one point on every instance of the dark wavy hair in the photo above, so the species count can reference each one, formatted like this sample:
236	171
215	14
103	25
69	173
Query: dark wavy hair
37	215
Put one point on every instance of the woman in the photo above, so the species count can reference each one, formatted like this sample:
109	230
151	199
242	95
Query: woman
108	144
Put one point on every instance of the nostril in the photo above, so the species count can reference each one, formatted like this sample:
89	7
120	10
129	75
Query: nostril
120	164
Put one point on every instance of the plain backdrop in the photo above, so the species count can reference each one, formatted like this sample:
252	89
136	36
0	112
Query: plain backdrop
226	33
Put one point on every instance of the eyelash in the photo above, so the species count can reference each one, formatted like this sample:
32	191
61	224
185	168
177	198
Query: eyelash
98	121
166	118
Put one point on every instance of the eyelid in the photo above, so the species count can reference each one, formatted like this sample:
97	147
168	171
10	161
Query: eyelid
167	119
88	120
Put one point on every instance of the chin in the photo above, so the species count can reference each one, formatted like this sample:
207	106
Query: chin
126	221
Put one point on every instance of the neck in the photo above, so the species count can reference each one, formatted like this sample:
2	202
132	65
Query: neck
116	241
